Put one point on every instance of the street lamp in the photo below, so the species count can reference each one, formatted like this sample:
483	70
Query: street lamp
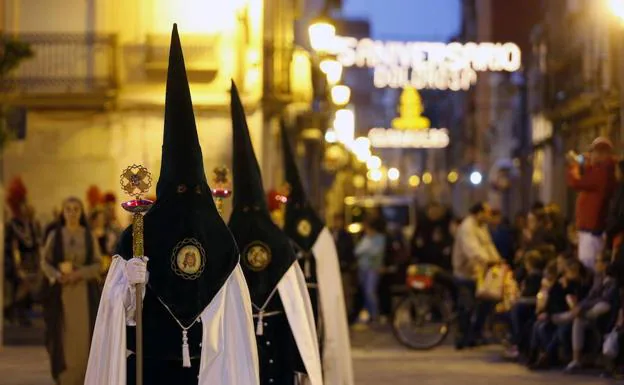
332	70
330	136
394	174
322	34
414	180
340	95
453	176
617	8
344	125
476	178
427	178
375	175
373	163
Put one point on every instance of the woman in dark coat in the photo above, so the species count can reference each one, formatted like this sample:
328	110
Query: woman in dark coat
71	264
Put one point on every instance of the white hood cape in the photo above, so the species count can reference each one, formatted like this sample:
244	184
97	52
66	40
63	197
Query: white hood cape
229	355
337	365
295	298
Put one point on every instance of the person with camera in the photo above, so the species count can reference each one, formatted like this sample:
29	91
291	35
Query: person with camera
593	177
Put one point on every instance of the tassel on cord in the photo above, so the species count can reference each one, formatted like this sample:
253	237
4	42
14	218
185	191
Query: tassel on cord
186	355
260	325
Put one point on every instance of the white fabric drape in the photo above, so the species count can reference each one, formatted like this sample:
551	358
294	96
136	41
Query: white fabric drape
337	364
298	308
229	354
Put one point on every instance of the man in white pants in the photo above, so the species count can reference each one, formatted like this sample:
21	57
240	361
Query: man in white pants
593	177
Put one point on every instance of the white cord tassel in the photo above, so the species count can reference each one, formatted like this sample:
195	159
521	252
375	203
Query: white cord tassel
260	325
186	355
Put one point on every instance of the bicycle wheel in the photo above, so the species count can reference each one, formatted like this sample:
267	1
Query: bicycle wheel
421	320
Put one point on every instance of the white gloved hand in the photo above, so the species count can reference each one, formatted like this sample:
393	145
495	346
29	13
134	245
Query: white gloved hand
136	270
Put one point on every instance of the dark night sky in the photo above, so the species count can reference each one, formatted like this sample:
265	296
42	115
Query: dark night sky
431	20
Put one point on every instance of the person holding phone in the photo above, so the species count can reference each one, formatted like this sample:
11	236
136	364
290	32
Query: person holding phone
593	177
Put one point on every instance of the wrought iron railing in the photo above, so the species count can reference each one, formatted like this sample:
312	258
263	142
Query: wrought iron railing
66	63
201	52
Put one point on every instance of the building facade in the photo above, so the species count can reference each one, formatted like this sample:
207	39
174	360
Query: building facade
575	89
94	90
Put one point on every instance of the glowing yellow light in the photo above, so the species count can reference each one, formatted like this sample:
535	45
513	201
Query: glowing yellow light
198	16
301	76
427	178
322	36
354	228
375	175
394	174
374	163
453	176
359	181
340	95
617	8
349	201
330	136
332	69
414	181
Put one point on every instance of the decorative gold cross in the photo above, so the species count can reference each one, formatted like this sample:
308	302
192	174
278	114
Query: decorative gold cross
136	180
222	188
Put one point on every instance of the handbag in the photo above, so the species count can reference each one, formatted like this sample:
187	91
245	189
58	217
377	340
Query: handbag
492	286
611	345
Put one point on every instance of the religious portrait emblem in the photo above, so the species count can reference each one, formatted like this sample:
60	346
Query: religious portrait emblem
257	256
188	259
304	228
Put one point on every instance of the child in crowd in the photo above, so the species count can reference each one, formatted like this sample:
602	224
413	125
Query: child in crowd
554	323
602	297
550	276
522	313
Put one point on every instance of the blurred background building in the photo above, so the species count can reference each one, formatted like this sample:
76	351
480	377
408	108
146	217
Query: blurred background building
93	94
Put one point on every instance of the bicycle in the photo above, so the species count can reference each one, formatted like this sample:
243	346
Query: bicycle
423	317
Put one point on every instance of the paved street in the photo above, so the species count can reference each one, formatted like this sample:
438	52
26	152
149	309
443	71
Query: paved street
378	360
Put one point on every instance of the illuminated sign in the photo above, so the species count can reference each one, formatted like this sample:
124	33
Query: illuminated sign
391	138
410	129
427	65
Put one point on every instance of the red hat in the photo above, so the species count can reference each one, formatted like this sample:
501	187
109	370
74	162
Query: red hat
16	194
601	143
276	200
94	196
109	197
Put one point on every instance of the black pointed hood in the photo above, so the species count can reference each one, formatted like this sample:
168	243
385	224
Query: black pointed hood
266	252
302	224
181	153
191	250
249	191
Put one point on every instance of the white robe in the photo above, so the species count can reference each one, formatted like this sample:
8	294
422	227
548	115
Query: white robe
228	355
295	298
337	365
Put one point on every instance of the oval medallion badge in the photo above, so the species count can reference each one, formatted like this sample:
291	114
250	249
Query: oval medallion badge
257	256
188	259
304	228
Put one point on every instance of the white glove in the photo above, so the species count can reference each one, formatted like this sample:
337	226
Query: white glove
136	270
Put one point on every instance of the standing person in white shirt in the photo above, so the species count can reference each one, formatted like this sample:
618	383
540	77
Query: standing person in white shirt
473	252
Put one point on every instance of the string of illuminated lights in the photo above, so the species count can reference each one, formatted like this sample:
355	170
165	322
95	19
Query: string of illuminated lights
322	34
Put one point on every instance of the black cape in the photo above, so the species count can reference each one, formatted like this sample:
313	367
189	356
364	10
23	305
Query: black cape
182	223
266	256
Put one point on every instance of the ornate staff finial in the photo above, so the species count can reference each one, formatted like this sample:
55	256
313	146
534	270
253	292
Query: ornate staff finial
222	187
136	181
